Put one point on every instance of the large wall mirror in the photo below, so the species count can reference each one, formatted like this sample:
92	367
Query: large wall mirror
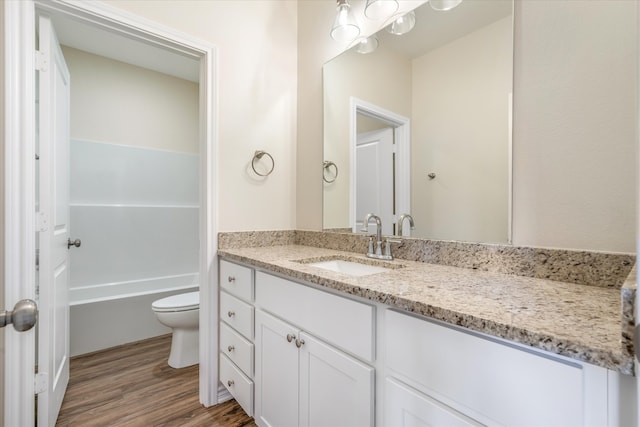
422	126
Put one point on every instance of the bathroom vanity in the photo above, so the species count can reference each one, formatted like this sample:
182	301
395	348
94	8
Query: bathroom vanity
416	344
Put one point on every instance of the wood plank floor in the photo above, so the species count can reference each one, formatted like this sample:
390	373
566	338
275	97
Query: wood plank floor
132	385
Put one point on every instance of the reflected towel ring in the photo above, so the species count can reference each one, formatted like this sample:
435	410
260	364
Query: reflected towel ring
257	156
327	165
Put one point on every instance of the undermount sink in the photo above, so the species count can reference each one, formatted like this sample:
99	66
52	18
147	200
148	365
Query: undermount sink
348	267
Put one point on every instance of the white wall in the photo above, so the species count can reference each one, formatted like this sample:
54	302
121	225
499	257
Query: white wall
460	132
120	103
257	51
389	87
574	121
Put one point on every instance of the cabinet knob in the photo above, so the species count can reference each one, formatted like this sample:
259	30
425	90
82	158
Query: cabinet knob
231	314
231	279
230	348
230	383
299	343
290	337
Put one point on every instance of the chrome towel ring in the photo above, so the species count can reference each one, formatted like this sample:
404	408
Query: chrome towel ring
327	168
257	156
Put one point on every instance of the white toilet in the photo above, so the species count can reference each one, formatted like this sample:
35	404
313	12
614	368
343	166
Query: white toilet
181	313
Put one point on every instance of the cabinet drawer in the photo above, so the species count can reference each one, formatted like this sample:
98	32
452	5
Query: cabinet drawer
237	280
405	407
237	348
343	322
490	381
240	387
238	314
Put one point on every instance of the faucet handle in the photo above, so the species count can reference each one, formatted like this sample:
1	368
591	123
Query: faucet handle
387	246
370	248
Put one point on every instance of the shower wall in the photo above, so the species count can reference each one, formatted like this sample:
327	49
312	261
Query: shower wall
134	198
136	212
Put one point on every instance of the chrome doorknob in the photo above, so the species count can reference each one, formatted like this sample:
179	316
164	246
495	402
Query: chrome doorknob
75	243
23	317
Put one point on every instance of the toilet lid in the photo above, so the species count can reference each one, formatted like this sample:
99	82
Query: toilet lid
180	302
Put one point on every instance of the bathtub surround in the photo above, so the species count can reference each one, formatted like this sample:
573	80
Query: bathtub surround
574	303
136	211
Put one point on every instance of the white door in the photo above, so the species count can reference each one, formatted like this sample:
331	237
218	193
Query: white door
276	372
53	276
374	179
335	389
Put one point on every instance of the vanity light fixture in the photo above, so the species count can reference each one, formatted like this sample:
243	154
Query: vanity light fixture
403	25
367	45
380	9
345	27
444	5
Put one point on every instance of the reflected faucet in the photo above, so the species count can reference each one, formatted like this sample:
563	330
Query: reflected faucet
401	221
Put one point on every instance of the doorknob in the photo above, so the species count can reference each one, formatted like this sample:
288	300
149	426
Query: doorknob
75	243
23	316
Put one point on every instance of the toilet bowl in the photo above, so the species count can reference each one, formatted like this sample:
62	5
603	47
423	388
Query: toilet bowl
181	314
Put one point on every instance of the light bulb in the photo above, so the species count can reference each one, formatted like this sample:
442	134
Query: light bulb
403	25
380	9
367	45
344	27
444	5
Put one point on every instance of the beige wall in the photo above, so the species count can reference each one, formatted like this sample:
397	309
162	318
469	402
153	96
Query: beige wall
574	121
350	75
257	83
118	103
460	132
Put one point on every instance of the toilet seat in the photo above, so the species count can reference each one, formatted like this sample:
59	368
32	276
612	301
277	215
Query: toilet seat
181	302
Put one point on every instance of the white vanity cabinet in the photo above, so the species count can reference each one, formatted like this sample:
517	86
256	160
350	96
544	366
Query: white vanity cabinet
438	375
236	332
302	377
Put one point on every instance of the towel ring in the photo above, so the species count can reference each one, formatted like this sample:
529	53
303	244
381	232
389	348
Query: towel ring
327	165
257	156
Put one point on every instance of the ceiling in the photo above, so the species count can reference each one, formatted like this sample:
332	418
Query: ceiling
103	42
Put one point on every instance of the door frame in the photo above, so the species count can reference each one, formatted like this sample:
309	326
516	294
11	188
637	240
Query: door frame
19	185
402	140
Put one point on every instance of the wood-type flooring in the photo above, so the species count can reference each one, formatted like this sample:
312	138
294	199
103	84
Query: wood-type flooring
132	385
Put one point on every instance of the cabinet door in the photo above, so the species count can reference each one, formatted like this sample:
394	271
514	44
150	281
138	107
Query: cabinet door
335	389
405	407
276	378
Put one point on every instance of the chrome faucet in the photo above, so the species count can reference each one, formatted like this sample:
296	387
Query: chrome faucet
377	253
401	221
365	228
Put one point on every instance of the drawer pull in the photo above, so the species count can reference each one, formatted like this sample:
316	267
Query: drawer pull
230	348
231	313
299	343
230	383
290	337
231	279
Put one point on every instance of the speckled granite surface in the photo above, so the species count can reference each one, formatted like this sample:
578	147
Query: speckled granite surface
593	324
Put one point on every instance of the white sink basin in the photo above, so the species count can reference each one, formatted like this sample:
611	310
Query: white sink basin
348	267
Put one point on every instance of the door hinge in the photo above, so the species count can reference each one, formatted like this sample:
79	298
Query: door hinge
42	222
40	61
41	382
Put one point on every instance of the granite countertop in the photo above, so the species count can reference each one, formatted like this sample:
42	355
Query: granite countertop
578	321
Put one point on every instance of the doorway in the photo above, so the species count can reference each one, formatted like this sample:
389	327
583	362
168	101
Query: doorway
20	176
392	194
